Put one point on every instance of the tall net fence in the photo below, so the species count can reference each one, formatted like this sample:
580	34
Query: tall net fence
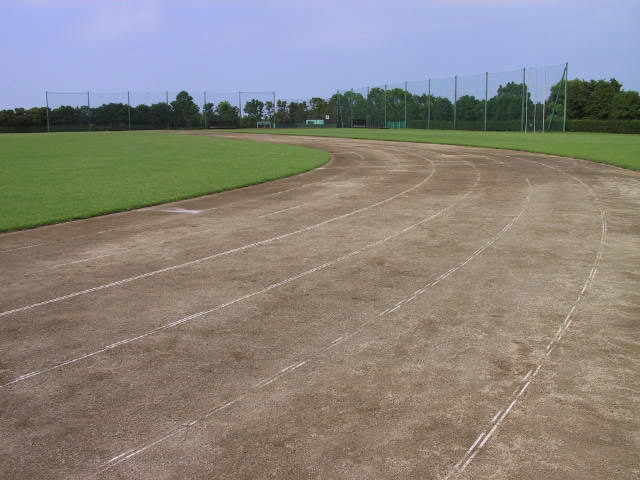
530	99
527	100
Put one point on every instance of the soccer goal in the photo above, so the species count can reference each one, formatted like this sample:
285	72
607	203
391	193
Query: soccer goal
263	124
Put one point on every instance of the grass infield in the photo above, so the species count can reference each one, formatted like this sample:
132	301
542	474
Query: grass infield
614	149
49	178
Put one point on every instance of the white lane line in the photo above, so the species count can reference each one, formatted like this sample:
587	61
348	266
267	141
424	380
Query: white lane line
197	315
216	255
289	369
21	248
492	420
155	208
557	338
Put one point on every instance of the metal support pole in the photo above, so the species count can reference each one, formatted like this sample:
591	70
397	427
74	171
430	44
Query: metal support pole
455	100
486	98
544	101
239	109
523	101
385	105
129	108
526	103
367	121
535	104
204	110
566	81
429	106
167	100
405	104
273	112
46	96
89	110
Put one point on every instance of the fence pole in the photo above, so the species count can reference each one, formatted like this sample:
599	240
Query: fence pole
405	104
385	106
239	109
544	101
535	103
486	98
204	109
526	103
89	110
273	111
167	99
455	100
367	122
46	96
129	108
429	106
566	81
523	101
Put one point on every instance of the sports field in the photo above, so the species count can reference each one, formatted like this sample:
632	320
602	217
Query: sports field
407	310
63	176
614	149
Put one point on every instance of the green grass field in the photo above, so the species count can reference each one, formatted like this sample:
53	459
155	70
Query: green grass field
48	178
614	149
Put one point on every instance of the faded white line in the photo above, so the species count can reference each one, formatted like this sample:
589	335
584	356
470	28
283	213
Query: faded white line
288	370
466	460
197	315
217	255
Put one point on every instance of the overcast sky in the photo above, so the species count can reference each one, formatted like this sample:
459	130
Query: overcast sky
302	48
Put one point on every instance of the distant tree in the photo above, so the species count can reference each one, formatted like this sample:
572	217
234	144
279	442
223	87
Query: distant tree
469	108
297	112
318	107
225	111
254	108
281	112
112	116
441	108
507	104
185	111
207	113
269	109
626	106
159	115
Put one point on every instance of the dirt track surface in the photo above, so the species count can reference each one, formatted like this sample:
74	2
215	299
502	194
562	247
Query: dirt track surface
405	311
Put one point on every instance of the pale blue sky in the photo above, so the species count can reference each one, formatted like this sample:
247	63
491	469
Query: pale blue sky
302	48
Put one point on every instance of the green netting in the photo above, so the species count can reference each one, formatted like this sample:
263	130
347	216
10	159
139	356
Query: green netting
256	108
311	112
519	100
528	100
68	111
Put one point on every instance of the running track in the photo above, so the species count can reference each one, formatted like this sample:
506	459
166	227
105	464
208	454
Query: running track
405	311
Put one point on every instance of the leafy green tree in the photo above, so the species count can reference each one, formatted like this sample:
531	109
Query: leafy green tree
297	112
281	112
225	111
469	108
507	104
185	111
207	114
625	106
254	108
111	116
441	109
269	109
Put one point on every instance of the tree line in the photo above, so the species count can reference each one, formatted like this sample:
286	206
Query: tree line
511	108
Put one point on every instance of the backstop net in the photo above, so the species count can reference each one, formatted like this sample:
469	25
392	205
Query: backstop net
68	111
310	112
530	99
255	108
527	100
